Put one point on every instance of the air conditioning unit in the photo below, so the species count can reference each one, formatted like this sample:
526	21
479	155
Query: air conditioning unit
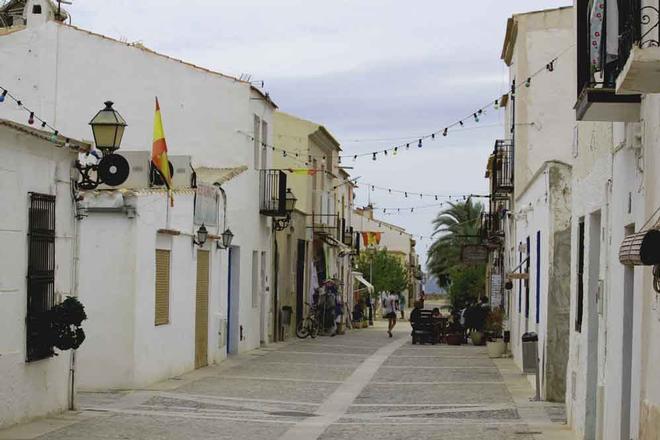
138	177
181	173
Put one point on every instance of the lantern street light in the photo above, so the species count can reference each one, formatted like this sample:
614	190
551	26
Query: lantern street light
227	237
112	169
202	235
281	224
108	128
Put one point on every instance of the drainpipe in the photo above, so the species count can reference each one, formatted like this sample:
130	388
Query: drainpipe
75	281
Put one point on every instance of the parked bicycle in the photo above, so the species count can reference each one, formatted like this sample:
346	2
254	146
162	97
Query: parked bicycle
310	325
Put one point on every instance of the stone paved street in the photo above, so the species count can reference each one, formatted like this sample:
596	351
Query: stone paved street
363	385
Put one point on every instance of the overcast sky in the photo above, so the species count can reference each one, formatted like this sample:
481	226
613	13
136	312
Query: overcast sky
366	69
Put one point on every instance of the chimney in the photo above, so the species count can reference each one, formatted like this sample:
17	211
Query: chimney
369	211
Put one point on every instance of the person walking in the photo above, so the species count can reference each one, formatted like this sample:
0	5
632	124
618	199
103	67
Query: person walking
391	308
402	305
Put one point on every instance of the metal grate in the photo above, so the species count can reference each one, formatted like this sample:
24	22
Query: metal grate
502	180
41	275
272	193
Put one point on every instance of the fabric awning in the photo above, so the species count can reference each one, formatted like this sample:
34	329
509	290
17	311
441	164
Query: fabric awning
358	276
212	176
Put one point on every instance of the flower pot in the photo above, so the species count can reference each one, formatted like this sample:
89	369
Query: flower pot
477	338
496	348
365	324
454	339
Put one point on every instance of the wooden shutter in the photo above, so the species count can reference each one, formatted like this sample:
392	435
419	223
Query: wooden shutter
202	310
162	287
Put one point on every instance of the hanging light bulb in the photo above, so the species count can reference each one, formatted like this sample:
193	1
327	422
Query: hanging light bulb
31	118
3	95
496	104
390	190
407	146
396	150
412	209
385	151
461	123
436	198
432	135
374	157
421	196
419	144
373	188
406	194
355	157
551	66
528	82
444	133
43	124
283	153
476	118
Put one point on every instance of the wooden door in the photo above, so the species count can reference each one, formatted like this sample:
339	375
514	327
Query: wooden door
202	310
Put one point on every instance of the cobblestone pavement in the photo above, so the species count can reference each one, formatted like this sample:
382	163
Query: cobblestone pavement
362	385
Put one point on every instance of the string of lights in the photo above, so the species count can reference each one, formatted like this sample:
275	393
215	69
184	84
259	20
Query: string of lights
473	117
32	117
411	194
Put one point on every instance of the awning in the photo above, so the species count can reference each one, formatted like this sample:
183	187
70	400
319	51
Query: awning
212	176
358	276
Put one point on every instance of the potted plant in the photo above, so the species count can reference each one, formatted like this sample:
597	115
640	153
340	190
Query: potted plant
494	328
455	333
475	321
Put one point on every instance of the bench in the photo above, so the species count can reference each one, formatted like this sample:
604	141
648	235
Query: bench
425	328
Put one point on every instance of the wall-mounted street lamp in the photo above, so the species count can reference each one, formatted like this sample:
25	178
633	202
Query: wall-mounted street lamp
227	237
201	236
280	224
108	128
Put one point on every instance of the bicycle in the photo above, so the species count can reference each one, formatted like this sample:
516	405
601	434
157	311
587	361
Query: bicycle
310	325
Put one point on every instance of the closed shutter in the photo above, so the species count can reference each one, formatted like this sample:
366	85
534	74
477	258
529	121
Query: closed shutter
202	310
162	287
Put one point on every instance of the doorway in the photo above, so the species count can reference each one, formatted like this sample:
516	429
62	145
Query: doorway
233	289
300	280
593	297
202	310
627	343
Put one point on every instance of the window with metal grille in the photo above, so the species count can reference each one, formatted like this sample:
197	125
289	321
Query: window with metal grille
40	276
162	312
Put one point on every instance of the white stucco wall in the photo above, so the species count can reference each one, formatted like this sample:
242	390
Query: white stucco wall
29	164
206	115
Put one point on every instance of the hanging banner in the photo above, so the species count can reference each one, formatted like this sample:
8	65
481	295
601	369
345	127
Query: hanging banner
371	238
474	254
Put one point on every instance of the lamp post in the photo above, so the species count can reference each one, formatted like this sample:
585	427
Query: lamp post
112	169
227	237
281	224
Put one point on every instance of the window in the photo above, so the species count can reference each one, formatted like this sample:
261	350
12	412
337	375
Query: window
257	140
41	275
255	279
580	278
162	310
527	280
538	277
264	144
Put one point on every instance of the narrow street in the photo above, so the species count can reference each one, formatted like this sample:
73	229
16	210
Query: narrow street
363	385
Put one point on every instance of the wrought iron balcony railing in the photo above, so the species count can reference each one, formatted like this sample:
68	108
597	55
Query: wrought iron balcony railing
502	169
639	26
272	193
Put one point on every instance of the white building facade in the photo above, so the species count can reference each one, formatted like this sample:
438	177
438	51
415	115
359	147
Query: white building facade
217	120
38	237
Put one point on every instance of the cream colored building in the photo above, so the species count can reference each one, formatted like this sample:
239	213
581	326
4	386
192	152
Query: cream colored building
311	248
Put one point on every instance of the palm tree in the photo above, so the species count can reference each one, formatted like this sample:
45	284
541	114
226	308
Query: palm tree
453	227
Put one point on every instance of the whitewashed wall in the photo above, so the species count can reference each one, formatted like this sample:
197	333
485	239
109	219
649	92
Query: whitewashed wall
206	115
29	164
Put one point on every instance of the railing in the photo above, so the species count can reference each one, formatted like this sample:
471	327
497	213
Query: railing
491	226
639	27
502	172
272	193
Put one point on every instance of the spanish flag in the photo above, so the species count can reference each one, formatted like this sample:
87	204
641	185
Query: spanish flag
159	153
371	238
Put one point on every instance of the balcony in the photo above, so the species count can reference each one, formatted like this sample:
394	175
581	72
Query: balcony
600	60
491	230
640	49
272	193
501	172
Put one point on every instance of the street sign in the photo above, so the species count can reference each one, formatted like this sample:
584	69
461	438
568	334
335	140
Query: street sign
474	254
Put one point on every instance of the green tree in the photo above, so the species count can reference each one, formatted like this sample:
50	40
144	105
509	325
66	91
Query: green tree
389	274
453	226
467	284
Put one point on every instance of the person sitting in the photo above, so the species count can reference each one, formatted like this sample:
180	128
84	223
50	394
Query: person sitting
357	312
415	313
435	313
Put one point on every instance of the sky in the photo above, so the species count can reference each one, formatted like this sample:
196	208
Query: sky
376	73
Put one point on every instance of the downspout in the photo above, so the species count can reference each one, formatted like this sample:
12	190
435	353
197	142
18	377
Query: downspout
75	269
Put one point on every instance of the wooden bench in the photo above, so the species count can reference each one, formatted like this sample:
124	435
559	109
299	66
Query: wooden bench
425	328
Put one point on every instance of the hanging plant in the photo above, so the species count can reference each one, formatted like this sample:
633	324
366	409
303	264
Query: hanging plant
66	319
